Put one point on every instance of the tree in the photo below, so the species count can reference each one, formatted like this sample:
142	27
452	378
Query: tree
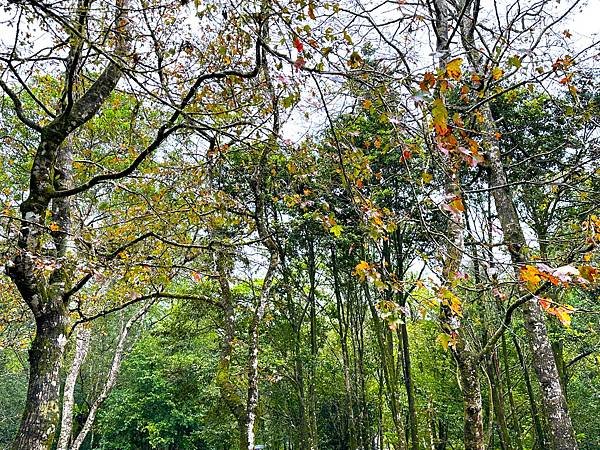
94	54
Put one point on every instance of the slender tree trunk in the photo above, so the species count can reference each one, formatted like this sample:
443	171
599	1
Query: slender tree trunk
111	379
312	395
343	325
82	345
555	404
471	389
409	386
252	398
258	185
466	361
228	390
498	401
515	425
403	340
389	374
539	435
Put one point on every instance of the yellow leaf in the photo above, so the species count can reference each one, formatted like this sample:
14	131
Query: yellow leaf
336	230
444	340
531	276
456	305
479	117
362	266
426	177
440	117
497	73
54	226
362	269
453	68
563	313
367	103
347	38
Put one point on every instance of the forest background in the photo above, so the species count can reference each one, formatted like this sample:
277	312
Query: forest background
299	224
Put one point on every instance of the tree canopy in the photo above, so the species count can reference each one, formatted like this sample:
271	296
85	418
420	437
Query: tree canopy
299	224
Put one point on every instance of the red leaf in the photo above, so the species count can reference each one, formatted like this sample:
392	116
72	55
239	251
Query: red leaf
298	44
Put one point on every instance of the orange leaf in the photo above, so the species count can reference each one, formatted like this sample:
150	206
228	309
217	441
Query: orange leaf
544	303
427	82
457	204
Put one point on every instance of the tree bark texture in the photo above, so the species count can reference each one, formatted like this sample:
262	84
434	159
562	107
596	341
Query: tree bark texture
544	364
41	414
51	171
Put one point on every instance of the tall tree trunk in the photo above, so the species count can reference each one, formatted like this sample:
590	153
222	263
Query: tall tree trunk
259	188
544	364
402	332
258	185
253	346
51	171
342	316
409	386
555	404
515	425
44	298
312	395
389	373
41	414
471	391
466	360
227	389
498	401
